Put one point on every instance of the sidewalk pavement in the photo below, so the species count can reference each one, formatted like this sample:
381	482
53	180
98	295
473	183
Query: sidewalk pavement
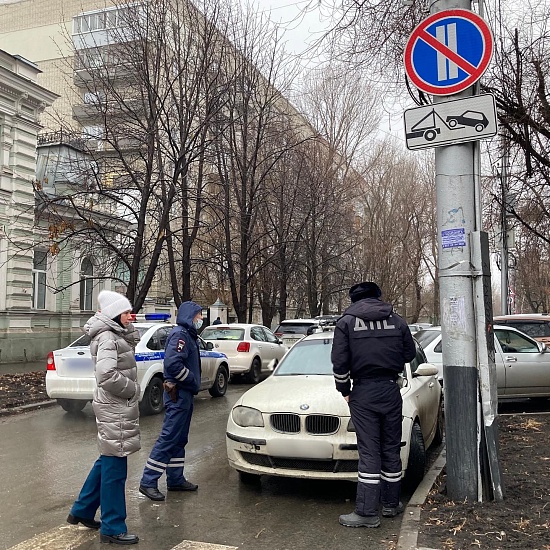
410	524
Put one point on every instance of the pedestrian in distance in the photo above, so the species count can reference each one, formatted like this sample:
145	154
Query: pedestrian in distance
370	348
182	381
217	321
115	404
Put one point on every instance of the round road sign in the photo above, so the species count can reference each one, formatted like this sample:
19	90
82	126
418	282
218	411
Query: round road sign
448	52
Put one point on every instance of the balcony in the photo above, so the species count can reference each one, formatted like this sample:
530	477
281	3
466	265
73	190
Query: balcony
61	138
89	112
95	76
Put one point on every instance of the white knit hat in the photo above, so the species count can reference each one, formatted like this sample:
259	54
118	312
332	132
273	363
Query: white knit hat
112	304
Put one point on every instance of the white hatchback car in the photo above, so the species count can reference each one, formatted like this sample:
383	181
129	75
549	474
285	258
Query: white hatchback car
70	372
252	350
296	424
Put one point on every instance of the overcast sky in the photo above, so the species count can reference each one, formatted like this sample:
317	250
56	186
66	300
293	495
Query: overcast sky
305	21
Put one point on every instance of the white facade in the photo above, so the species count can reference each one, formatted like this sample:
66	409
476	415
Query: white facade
33	318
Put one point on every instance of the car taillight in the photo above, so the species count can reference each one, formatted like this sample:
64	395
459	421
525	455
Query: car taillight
50	362
278	334
243	346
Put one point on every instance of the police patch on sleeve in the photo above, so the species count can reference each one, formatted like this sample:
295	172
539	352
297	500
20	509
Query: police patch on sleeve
181	345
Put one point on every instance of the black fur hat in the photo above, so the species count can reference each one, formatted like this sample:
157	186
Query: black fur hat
365	289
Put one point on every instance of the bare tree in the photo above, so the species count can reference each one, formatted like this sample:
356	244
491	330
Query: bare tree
248	147
342	107
396	238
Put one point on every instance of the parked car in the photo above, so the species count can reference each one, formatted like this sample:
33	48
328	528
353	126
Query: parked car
291	331
416	327
70	372
251	349
296	424
536	325
522	363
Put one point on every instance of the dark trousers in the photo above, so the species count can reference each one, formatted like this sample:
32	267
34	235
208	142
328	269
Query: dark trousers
168	454
376	410
105	487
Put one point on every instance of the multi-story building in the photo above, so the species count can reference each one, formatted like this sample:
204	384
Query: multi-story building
23	267
72	42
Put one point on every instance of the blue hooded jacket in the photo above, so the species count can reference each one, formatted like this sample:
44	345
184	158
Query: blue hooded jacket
182	364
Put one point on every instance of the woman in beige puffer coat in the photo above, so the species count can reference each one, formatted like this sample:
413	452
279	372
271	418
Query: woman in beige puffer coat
115	404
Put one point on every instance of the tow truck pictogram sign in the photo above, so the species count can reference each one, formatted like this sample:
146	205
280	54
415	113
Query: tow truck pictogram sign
448	52
461	120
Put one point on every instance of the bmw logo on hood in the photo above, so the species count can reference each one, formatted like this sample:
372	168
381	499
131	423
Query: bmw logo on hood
304	407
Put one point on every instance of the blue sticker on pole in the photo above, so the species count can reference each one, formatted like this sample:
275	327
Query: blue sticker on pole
453	238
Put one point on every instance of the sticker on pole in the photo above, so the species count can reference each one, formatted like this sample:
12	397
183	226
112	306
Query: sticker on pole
453	238
448	52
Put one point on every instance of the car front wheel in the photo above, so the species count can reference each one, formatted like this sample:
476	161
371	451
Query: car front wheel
72	405
249	479
440	426
255	371
220	382
152	402
417	458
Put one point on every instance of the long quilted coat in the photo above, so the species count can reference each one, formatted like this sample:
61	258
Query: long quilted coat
116	396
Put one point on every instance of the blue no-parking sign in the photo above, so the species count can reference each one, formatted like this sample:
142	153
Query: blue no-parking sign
448	52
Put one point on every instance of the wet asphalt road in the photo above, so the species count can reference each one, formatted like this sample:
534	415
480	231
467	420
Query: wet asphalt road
46	455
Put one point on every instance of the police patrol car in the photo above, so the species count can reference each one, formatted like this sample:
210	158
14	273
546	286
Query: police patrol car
70	372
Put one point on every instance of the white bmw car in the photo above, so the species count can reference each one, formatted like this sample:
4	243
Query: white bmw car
295	423
70	372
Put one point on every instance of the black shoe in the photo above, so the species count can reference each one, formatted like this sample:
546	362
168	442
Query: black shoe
151	492
355	520
392	511
90	523
123	538
185	486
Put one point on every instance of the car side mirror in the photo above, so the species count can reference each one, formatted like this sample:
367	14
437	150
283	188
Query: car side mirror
271	365
543	348
209	346
426	369
279	341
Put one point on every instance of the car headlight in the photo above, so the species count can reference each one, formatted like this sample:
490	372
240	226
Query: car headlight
351	427
246	416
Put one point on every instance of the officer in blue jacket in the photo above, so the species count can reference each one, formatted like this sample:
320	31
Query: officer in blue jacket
182	381
370	348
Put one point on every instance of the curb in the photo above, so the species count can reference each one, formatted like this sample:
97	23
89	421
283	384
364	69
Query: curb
26	408
408	534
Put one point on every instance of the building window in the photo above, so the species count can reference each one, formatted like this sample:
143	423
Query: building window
40	264
100	20
86	285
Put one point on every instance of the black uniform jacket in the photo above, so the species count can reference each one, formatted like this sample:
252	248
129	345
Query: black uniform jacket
370	341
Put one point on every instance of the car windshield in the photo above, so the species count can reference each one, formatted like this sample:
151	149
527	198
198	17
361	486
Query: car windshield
83	341
424	337
223	333
293	328
307	357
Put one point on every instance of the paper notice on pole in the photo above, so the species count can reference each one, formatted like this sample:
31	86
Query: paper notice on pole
454	313
453	238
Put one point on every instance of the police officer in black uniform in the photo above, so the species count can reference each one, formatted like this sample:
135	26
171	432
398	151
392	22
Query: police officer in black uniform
371	346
